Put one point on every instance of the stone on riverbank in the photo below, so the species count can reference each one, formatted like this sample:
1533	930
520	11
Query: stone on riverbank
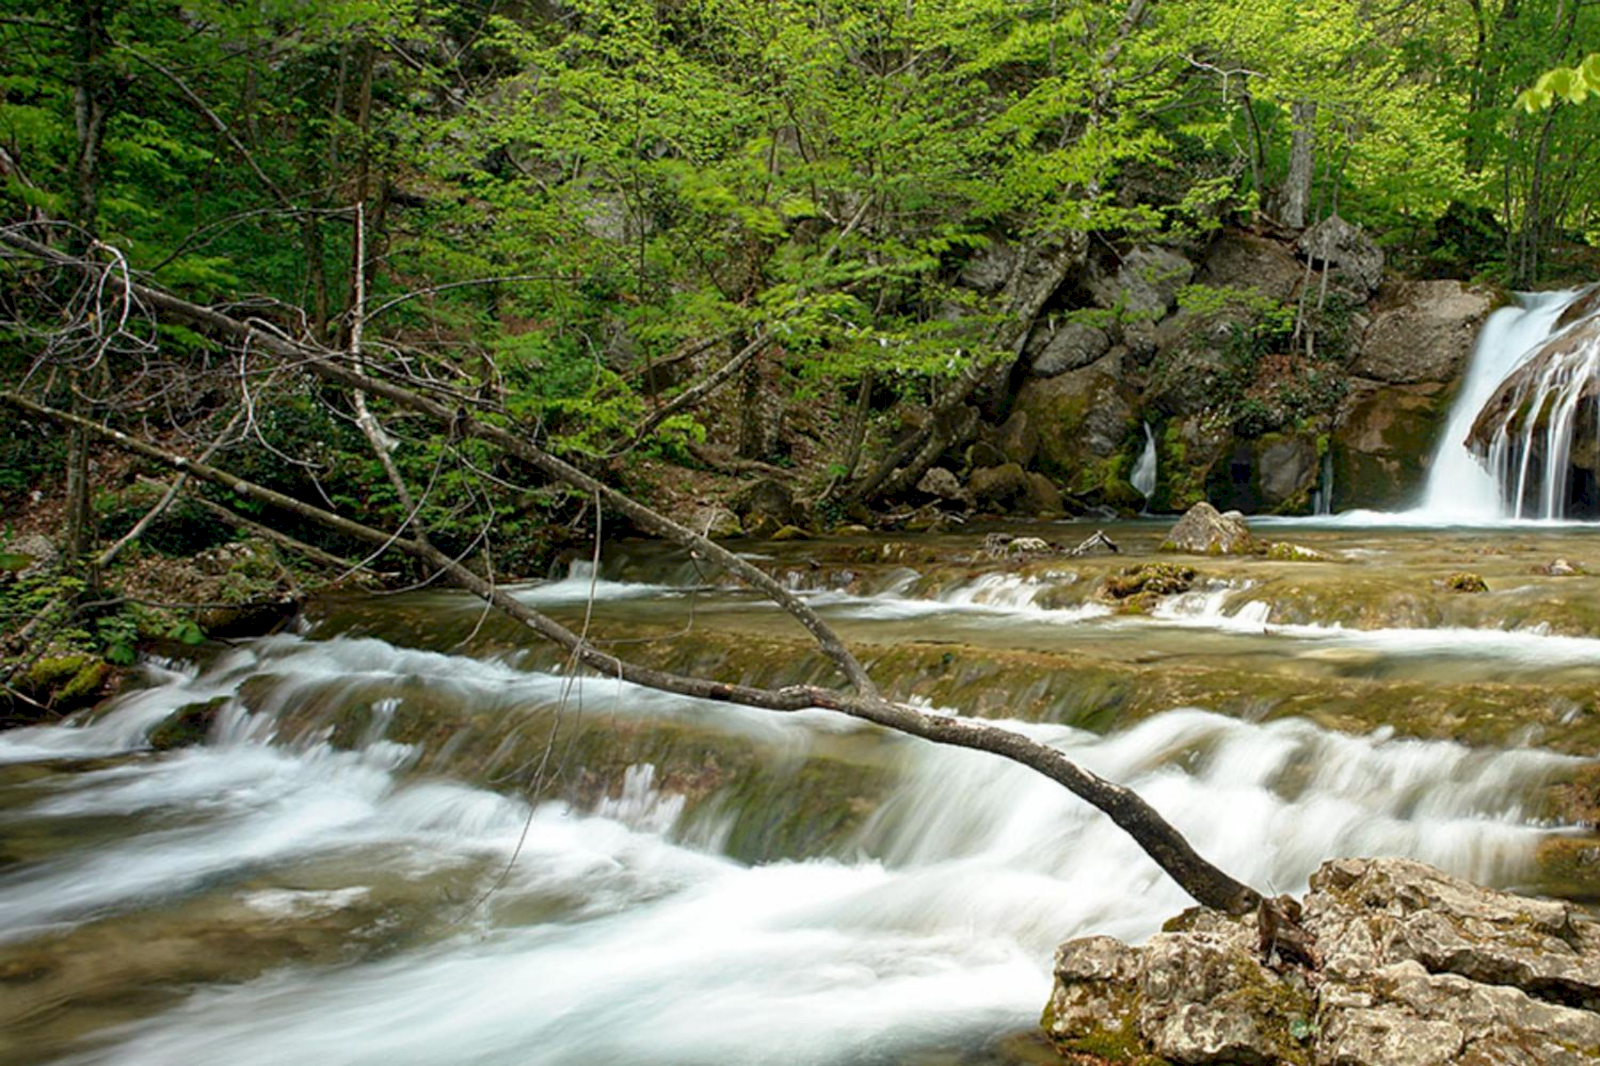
1203	530
1419	968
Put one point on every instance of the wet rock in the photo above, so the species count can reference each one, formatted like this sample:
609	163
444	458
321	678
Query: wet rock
790	533
1560	568
1281	551
1418	968
1143	285
1205	531
1381	443
1423	331
1136	589
188	726
941	483
1069	346
1043	497
1333	242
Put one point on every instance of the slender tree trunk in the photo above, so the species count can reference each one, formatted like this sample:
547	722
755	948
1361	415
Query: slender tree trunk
1302	163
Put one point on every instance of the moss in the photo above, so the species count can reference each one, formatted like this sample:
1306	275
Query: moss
1465	581
1121	1045
186	727
66	681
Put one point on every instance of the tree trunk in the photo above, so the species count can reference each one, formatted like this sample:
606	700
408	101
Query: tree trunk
1302	160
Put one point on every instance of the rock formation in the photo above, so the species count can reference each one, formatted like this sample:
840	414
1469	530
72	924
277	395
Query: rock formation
1418	968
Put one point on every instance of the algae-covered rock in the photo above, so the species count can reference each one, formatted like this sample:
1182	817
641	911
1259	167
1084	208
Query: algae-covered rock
1085	421
1203	530
186	727
1135	589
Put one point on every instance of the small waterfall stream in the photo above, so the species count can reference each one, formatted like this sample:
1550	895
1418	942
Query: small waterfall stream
1143	478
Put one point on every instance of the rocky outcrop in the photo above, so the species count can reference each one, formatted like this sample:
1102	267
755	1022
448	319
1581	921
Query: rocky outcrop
1203	530
1066	346
1273	473
1417	969
1423	331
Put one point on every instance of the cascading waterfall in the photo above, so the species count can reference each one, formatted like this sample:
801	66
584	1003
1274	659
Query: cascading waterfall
1144	471
1460	487
1322	497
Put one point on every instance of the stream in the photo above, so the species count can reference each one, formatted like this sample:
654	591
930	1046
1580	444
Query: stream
410	837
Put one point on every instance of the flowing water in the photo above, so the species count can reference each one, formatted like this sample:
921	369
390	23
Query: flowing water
1143	477
410	839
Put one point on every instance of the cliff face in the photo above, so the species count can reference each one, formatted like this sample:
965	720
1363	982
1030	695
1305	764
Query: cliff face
1263	368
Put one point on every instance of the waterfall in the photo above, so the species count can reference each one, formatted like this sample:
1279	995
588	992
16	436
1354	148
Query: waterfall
1460	487
1144	471
1322	498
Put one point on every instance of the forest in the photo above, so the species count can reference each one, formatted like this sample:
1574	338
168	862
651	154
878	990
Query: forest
304	305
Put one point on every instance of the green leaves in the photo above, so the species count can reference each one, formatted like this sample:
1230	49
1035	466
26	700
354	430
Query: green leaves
1572	84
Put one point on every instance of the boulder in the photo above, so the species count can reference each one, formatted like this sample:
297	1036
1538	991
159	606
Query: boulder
1383	443
1189	364
1418	968
716	522
1239	260
941	483
1143	285
765	507
1423	331
1067	346
1335	243
998	488
1203	530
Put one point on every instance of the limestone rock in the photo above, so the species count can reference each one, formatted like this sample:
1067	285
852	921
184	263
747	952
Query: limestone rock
1205	531
1419	969
1143	285
941	483
1423	331
1069	346
1333	242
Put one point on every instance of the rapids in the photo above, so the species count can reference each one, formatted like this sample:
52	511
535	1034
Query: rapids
411	838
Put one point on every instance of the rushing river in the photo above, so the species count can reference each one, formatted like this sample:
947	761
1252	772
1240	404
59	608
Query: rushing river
409	838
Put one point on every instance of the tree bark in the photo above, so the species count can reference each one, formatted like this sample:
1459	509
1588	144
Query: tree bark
1302	160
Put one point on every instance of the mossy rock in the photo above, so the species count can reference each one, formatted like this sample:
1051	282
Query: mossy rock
1465	581
65	682
1136	588
187	727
